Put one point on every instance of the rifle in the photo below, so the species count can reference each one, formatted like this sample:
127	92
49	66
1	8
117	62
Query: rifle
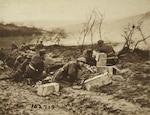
6	78
88	68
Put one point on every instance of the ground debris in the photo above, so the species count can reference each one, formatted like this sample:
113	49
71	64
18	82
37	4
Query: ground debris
128	95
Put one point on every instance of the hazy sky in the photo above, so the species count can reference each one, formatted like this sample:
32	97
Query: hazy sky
22	10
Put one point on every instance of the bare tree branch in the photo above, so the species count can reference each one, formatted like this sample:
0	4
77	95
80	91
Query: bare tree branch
128	33
142	35
92	25
100	24
91	30
144	39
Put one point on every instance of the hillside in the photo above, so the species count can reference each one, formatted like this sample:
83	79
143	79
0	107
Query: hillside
112	30
118	25
9	30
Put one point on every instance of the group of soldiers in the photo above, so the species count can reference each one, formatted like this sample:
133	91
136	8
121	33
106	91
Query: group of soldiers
86	60
30	66
25	62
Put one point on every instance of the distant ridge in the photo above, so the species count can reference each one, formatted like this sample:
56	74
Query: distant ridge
7	30
111	30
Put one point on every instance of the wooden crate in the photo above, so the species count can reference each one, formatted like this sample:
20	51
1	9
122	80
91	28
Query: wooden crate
47	89
101	59
98	81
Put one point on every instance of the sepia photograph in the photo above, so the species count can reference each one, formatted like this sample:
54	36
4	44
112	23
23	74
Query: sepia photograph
74	57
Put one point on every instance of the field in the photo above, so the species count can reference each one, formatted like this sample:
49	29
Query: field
128	95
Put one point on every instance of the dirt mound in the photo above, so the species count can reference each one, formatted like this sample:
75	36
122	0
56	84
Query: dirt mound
134	87
128	94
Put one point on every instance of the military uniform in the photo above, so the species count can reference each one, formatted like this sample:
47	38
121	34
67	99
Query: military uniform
68	72
108	49
13	46
2	55
20	59
39	46
18	74
24	47
35	68
89	59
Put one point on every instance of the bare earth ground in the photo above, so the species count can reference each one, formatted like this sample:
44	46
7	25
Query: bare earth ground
129	95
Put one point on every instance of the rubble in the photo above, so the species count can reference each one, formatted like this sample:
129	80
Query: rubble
128	94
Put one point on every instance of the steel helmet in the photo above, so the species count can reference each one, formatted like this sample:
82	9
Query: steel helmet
100	42
81	59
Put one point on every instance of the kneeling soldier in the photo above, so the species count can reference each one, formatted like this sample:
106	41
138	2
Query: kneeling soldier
69	71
